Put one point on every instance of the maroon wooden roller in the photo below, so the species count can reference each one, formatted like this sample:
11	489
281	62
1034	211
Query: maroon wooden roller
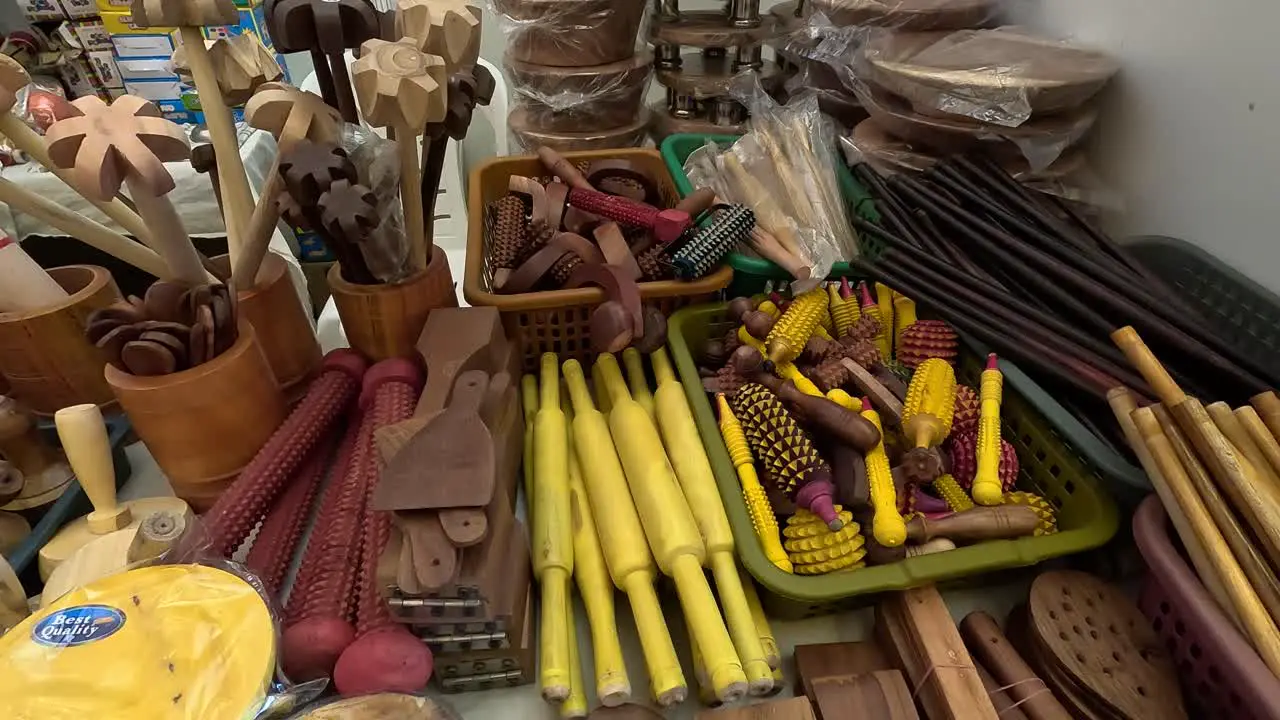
666	225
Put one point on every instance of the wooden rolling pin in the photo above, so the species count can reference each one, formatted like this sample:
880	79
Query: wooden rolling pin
552	544
975	525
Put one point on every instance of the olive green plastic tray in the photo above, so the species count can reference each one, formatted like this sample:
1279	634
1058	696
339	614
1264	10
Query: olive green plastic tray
1087	517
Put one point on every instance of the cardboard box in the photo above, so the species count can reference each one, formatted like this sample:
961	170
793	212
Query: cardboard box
92	34
166	94
104	66
76	72
79	8
41	10
107	6
253	21
156	68
131	41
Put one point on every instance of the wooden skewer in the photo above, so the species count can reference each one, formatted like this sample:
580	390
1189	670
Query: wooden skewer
1259	626
1235	431
1262	437
1252	497
1122	404
1268	406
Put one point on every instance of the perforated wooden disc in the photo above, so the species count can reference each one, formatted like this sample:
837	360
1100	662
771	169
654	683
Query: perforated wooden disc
1099	639
709	28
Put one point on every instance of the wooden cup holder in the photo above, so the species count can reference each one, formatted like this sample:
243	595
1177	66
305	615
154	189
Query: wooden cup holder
205	424
44	355
384	321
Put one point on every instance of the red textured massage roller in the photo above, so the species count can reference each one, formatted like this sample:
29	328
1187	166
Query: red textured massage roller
385	657
240	508
667	225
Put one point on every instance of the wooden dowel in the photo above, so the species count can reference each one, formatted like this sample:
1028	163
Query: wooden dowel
1259	626
324	77
1235	431
1262	438
166	227
1268	407
1145	362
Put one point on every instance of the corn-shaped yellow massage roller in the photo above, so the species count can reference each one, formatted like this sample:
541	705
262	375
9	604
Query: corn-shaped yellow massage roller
763	519
790	333
693	469
552	546
886	523
884	339
613	687
784	370
930	405
671	530
987	489
904	315
844	309
951	493
825	325
621	537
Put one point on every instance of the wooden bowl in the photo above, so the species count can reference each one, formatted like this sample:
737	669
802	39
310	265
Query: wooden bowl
601	97
44	355
571	33
890	155
384	321
284	330
206	423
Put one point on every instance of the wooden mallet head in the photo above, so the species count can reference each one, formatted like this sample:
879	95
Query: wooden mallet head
184	13
398	85
330	26
13	78
447	28
291	114
242	65
104	144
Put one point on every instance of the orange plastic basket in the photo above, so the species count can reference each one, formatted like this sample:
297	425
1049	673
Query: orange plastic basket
559	320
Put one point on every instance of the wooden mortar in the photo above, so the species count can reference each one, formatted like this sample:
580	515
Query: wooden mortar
44	355
285	332
384	321
206	423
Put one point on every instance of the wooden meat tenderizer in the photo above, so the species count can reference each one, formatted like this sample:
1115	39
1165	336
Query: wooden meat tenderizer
84	439
622	538
671	530
688	458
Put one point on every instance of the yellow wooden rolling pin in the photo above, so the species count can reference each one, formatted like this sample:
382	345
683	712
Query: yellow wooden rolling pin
621	537
689	459
612	685
529	404
639	384
671	530
552	546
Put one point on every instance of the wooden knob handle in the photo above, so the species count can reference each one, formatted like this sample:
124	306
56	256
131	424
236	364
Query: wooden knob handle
157	533
84	439
982	523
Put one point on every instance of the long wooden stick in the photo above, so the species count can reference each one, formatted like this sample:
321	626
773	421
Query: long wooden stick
1261	436
1235	431
90	232
1259	627
1123	405
166	227
1268	406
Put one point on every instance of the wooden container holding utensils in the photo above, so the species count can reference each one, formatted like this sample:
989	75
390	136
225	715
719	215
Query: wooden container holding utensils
44	355
203	425
384	321
285	332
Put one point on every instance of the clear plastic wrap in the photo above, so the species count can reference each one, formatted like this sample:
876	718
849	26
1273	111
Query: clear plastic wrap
386	252
526	137
580	99
569	33
380	706
784	169
909	15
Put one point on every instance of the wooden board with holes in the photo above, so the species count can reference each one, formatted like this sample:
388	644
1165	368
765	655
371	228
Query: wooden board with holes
813	662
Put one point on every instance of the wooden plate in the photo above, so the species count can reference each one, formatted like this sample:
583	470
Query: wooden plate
1004	75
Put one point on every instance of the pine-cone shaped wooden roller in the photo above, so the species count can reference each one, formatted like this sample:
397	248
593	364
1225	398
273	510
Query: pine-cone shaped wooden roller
814	549
785	452
926	339
1044	510
508	234
867	327
968	407
963	449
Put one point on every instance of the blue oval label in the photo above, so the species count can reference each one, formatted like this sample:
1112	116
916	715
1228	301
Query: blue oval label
79	625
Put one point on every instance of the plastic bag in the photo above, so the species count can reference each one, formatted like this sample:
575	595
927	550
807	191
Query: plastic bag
909	15
386	251
569	33
380	706
576	99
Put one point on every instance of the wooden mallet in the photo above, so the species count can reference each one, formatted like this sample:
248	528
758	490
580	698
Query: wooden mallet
241	62
330	27
403	88
129	142
290	115
189	16
449	29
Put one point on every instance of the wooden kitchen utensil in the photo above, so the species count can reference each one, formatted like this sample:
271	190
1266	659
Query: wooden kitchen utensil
455	450
403	88
823	660
434	557
189	16
242	64
879	695
128	141
449	29
1096	638
977	524
789	709
25	285
327	28
1266	443
454	341
42	475
114	552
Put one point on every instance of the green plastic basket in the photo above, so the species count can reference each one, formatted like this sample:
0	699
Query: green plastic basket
1087	517
753	274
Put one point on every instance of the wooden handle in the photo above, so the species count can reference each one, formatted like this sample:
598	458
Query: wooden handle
1257	624
985	640
159	532
24	285
977	524
1145	362
90	232
1268	406
1234	430
168	233
553	657
84	439
1264	441
1123	404
257	237
666	678
411	194
703	615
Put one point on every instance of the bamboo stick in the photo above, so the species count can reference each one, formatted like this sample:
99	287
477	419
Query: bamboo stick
1235	431
1268	407
1262	438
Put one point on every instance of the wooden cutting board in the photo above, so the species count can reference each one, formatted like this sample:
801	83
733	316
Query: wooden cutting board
1093	638
447	464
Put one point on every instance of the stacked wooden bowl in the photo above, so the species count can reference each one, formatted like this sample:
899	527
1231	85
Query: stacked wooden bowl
576	79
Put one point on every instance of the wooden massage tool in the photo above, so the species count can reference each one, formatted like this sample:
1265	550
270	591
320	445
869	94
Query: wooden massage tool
35	474
403	88
179	641
24	285
385	656
329	398
1088	636
672	530
290	115
326	28
174	328
622	538
977	524
988	644
726	42
114	552
84	438
317	627
127	141
189	16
